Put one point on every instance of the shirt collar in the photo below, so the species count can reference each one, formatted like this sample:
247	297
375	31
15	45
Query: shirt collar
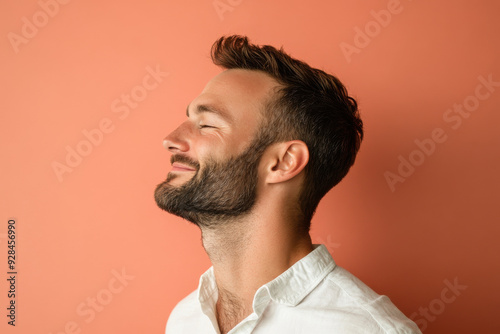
300	279
289	288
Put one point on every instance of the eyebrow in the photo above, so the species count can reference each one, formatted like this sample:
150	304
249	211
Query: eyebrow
201	108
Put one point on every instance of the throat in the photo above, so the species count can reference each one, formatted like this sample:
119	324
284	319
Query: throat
231	310
226	244
229	248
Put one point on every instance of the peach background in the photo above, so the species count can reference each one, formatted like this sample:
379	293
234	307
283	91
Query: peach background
440	224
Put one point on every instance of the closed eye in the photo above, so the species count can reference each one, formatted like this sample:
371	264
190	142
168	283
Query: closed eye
206	126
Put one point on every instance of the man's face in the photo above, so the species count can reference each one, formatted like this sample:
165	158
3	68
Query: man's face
216	151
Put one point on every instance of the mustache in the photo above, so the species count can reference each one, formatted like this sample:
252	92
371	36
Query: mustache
185	160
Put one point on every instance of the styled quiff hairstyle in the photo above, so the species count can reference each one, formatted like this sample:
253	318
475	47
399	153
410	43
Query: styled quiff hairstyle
309	105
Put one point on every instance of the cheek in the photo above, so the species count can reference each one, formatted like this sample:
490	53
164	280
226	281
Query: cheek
222	143
242	140
209	147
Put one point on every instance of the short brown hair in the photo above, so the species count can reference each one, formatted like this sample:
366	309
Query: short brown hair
310	105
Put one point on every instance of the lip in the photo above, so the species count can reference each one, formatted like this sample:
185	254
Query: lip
178	167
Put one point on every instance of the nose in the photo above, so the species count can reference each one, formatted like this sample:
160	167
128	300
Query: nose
178	140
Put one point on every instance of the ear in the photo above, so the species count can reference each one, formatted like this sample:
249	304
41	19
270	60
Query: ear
286	160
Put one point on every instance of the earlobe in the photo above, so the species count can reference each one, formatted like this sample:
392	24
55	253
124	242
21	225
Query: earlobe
288	160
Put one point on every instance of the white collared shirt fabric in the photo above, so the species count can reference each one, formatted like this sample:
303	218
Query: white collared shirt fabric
312	296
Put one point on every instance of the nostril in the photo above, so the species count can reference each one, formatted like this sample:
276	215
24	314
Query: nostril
166	144
177	140
174	145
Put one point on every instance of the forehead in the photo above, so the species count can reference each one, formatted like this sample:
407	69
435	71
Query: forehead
241	93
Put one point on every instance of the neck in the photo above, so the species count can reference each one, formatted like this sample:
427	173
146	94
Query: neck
248	253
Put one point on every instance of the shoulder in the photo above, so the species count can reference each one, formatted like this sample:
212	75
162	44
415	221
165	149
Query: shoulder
186	310
187	304
351	293
350	286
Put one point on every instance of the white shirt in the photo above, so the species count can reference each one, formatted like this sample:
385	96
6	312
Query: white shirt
313	296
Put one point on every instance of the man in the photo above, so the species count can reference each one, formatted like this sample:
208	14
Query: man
262	144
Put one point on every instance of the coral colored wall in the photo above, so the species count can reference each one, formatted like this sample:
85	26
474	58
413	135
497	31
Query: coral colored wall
416	218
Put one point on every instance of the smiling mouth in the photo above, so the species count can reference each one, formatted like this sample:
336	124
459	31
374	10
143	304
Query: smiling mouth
177	167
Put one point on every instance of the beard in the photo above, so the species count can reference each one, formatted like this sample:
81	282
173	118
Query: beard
216	193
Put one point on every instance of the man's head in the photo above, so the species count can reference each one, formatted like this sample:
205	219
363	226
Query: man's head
273	98
216	152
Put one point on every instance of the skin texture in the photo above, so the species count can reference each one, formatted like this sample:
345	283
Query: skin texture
249	249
